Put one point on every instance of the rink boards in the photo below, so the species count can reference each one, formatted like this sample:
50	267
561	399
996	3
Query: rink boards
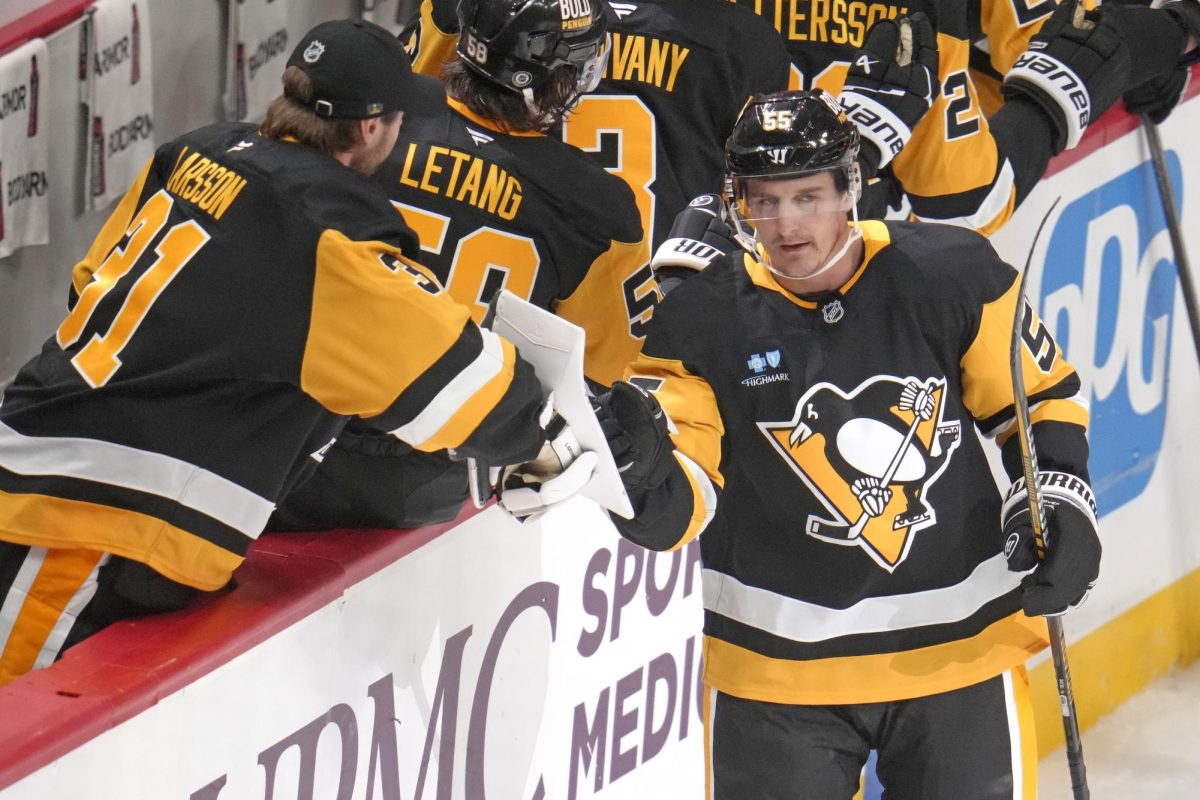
557	661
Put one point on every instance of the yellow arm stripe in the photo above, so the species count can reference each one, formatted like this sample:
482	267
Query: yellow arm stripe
471	413
112	232
598	306
933	164
437	46
1050	411
374	330
874	678
55	522
692	408
704	500
986	378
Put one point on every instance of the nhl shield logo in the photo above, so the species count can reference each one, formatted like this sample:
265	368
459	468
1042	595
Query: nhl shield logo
313	52
869	457
833	311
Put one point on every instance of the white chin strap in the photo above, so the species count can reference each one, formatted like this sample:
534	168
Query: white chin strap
855	235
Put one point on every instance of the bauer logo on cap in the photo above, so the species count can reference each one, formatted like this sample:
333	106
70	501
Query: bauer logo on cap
576	14
313	52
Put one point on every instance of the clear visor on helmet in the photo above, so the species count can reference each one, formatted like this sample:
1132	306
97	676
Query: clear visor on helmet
589	59
776	198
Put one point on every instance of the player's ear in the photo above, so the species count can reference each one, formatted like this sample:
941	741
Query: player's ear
369	129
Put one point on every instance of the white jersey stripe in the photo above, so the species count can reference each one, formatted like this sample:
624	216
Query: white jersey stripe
17	592
807	622
456	393
66	620
1014	736
138	470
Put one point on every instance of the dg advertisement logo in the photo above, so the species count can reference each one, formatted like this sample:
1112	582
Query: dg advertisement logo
1108	296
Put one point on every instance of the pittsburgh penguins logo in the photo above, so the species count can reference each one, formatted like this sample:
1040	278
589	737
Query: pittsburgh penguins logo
870	456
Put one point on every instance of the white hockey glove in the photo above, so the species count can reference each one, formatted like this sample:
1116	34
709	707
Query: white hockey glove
1063	575
890	86
560	470
699	236
1075	68
918	399
871	495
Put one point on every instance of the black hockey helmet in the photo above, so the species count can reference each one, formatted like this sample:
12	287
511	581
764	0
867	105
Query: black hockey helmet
518	44
791	134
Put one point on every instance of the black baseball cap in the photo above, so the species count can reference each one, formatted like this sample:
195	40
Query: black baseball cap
358	70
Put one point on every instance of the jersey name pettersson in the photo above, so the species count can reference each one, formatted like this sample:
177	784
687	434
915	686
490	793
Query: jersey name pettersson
645	59
462	177
832	21
869	456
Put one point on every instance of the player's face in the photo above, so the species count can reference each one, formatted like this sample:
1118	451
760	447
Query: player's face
800	222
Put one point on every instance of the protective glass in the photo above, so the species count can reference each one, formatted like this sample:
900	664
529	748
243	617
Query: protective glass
769	201
590	59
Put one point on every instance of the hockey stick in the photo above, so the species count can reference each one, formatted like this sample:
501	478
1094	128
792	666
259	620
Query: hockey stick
1167	196
1037	518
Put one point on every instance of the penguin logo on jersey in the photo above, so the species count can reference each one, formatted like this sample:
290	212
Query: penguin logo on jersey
870	456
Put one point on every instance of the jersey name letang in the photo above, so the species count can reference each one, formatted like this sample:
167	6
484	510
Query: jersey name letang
462	177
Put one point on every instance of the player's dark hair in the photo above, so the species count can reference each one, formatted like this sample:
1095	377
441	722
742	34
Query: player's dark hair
291	114
553	100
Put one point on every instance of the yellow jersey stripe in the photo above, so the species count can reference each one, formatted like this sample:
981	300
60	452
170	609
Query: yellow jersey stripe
874	678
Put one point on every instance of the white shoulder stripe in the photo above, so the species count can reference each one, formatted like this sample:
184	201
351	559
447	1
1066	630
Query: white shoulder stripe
807	622
138	470
456	393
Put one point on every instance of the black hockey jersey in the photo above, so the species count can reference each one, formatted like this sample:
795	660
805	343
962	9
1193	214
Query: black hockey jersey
959	166
678	73
524	212
243	300
787	411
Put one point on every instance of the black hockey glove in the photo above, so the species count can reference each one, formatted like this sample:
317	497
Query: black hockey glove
1075	68
1157	97
637	432
890	86
1062	578
699	236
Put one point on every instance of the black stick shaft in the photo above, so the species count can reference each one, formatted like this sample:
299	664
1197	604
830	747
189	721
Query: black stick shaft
1167	195
1037	515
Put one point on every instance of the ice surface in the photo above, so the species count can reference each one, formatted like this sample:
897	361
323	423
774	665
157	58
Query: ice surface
1147	749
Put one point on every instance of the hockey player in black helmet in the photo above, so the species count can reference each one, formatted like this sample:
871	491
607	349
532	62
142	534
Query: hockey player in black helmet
519	45
496	204
801	406
798	141
793	177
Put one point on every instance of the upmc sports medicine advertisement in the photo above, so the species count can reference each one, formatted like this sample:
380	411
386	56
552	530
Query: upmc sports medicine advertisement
500	660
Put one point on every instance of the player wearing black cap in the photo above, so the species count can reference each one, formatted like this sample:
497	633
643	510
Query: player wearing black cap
498	204
244	299
806	408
